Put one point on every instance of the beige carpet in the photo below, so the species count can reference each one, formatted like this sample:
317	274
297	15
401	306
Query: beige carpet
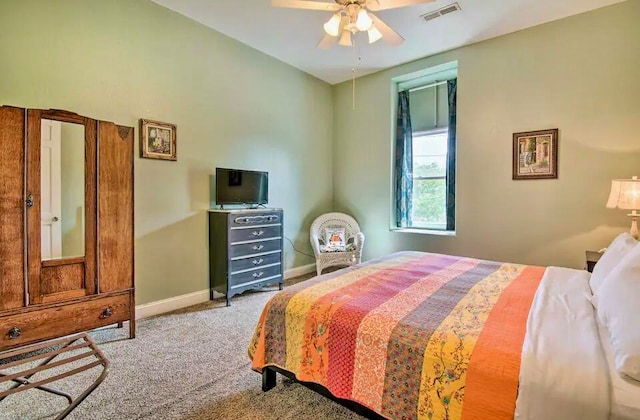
190	364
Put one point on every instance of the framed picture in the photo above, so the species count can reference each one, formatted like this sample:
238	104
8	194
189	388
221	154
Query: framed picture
158	140
535	155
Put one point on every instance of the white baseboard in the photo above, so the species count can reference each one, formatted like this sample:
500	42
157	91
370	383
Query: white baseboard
178	302
171	304
299	271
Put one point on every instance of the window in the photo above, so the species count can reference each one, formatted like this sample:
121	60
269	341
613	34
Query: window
430	180
425	154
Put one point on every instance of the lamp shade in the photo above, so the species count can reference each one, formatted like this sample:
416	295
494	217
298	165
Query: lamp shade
332	27
625	194
374	34
363	22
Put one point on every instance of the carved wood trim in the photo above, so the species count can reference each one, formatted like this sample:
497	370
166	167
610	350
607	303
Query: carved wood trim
124	132
64	116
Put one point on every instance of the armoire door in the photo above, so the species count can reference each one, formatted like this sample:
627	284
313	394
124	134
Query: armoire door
115	207
61	229
12	208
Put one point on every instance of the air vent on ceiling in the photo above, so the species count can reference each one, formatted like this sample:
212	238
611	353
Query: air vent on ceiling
441	12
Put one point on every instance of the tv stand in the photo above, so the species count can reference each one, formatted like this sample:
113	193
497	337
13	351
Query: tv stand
245	250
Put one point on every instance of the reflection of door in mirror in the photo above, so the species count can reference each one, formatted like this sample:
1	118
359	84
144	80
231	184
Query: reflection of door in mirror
62	195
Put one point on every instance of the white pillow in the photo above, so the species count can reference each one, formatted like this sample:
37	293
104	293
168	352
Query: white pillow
612	256
619	312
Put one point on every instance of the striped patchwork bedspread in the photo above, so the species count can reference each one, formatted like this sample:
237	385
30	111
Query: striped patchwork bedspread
411	335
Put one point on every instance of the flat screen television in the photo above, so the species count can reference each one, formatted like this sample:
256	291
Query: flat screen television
236	186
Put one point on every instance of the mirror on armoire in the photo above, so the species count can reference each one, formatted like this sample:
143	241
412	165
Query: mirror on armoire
62	190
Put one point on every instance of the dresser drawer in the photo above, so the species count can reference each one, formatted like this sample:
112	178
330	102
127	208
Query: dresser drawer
254	234
57	321
255	262
250	249
274	274
266	218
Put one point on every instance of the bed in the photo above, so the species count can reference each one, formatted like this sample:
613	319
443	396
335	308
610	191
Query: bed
419	336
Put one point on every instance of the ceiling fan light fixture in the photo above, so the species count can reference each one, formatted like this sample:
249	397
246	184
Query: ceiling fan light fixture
363	22
345	39
332	27
374	34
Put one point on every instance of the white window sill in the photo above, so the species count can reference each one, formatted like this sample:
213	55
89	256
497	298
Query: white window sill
425	231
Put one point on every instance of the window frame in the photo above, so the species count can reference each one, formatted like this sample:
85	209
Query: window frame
436	73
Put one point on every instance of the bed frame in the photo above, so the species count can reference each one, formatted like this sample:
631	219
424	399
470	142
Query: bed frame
269	382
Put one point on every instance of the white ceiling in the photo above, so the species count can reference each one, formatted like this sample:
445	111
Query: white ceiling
291	35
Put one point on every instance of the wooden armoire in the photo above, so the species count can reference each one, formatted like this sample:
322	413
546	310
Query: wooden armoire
66	225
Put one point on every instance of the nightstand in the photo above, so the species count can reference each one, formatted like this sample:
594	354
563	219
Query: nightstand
592	259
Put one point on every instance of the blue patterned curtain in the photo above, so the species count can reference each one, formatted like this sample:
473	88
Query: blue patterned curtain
404	163
452	87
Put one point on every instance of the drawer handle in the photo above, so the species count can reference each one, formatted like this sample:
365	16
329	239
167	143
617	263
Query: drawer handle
258	261
257	247
14	333
258	275
257	232
106	313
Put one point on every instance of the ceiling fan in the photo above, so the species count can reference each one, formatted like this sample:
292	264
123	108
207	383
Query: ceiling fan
351	17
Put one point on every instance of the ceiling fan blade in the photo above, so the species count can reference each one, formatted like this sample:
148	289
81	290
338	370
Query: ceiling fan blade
306	4
375	5
327	42
389	36
346	39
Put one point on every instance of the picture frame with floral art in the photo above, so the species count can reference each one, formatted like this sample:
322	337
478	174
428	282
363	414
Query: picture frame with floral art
158	140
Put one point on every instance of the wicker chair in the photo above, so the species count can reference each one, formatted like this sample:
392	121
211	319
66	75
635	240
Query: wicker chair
354	239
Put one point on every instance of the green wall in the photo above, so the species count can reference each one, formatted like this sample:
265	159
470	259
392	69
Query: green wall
578	74
122	60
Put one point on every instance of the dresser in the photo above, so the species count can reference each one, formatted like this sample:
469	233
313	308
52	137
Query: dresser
245	250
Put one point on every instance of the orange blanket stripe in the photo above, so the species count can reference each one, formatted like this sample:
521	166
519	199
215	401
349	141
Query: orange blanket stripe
492	377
